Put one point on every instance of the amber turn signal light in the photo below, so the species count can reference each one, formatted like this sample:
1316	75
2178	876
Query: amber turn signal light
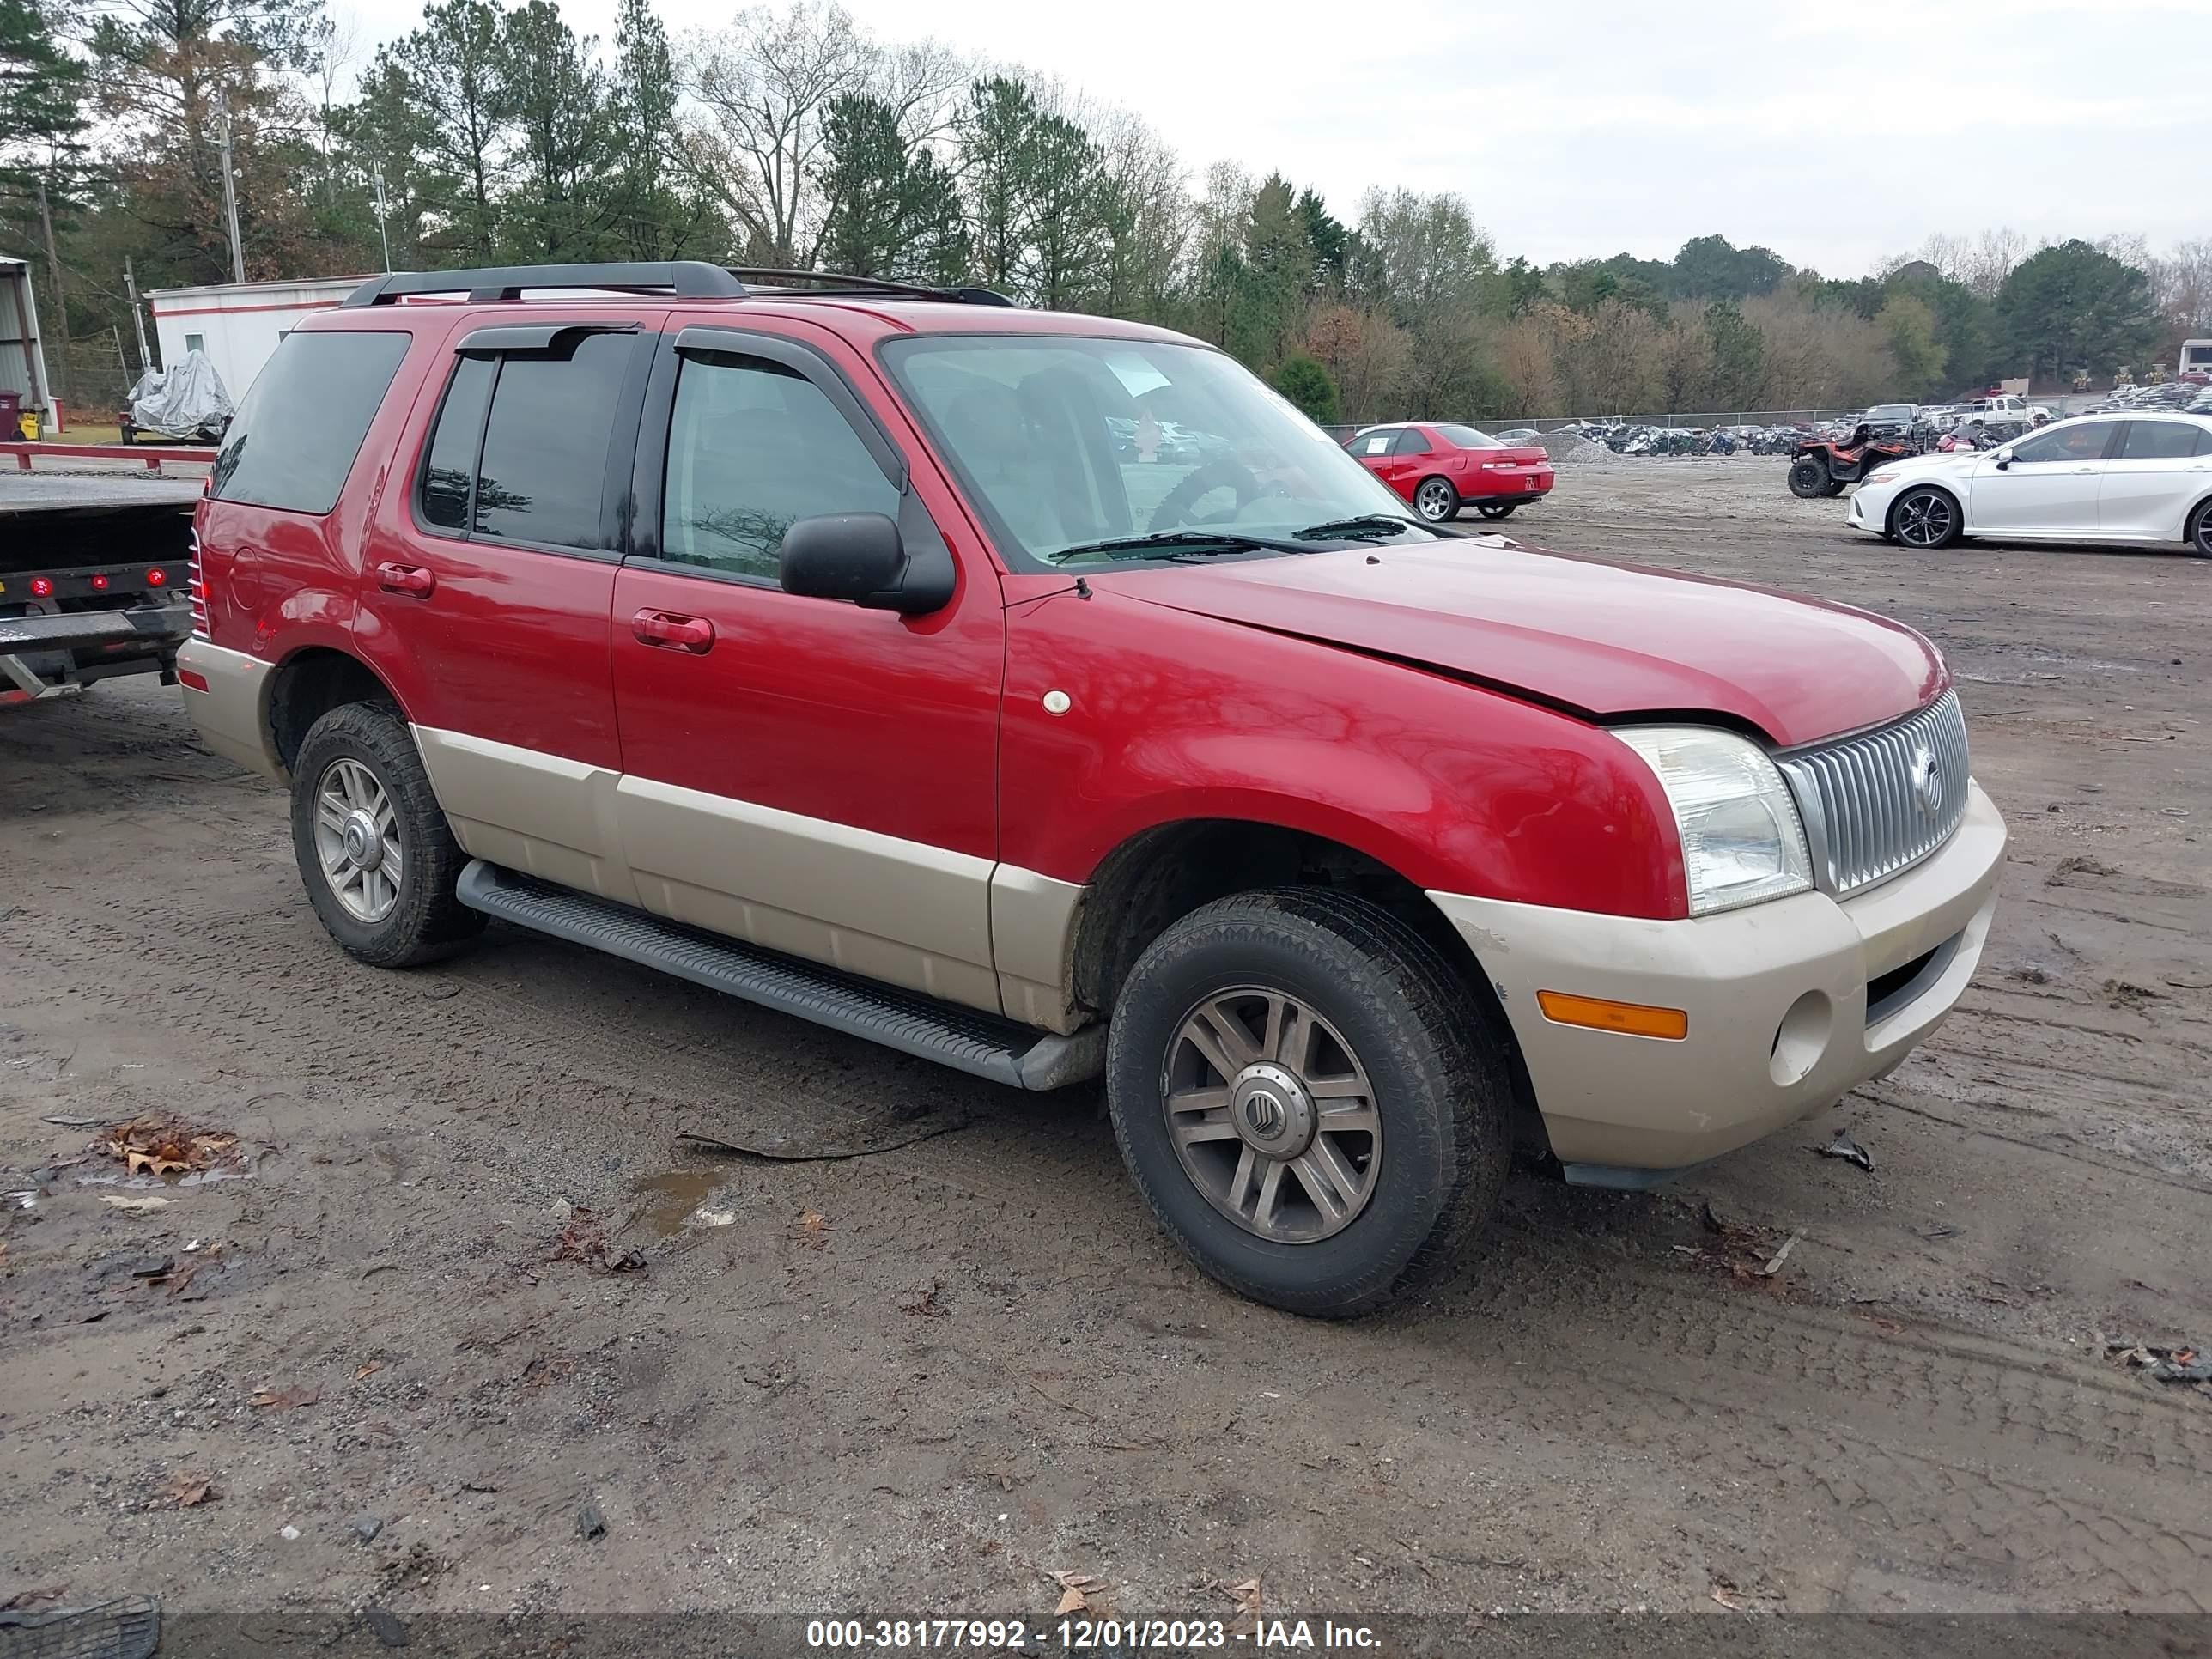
1603	1014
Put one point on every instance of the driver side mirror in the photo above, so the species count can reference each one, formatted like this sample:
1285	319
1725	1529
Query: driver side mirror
2004	458
859	557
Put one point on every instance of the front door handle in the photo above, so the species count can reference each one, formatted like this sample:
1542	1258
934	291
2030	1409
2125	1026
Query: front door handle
666	628
406	578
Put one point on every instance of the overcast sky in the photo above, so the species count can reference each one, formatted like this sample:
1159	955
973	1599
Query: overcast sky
1834	131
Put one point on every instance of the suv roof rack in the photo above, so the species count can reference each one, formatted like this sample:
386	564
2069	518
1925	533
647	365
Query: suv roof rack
764	274
688	279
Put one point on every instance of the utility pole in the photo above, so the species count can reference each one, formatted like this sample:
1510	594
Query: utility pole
229	186
138	317
376	176
60	299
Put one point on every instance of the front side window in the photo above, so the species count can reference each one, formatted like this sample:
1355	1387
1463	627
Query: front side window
754	446
1070	446
2159	440
2077	444
302	424
1373	443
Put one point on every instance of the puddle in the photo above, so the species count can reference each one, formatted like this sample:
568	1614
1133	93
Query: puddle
678	1200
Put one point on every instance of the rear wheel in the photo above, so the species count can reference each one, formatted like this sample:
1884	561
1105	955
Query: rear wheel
1808	477
1924	518
1303	1100
375	853
1496	509
1436	500
2200	532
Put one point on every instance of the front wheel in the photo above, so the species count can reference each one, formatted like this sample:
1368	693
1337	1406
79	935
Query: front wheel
377	857
1436	500
1305	1100
1808	478
1926	517
2200	532
1496	509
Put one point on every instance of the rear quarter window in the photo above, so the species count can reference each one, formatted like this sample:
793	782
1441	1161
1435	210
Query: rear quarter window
302	424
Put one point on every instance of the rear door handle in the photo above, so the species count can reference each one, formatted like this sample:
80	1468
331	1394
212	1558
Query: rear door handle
667	629
406	578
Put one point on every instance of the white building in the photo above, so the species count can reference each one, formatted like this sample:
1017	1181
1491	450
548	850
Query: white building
238	325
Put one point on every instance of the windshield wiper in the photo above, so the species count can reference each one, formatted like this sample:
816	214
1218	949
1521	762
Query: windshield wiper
1355	529
1173	543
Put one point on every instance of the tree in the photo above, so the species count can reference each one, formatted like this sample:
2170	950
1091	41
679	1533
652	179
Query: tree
557	95
455	70
2074	306
1366	354
657	212
995	147
1420	256
1062	168
1307	384
42	93
1739	361
1329	239
893	209
1713	268
1908	324
1280	258
764	87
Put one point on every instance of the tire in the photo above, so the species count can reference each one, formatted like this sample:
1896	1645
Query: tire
1924	518
385	922
1835	488
1436	500
2200	531
1380	996
1496	509
1808	477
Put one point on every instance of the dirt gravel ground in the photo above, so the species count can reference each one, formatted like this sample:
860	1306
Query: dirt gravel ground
926	1377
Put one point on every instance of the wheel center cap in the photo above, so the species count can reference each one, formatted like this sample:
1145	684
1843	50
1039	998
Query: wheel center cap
364	846
1271	1111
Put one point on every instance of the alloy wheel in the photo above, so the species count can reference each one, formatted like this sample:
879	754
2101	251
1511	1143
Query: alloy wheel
1434	500
1271	1116
1925	520
357	840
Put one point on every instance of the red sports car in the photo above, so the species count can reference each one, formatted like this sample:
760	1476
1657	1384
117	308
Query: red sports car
1441	466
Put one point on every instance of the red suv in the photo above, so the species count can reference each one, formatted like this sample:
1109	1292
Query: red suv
1441	466
1044	696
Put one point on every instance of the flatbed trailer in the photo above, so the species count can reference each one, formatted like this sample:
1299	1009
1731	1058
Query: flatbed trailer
95	578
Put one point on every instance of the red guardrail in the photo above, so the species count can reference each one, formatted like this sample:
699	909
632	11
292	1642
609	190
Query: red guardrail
152	456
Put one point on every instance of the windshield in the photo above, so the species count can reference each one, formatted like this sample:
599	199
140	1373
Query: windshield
1068	443
1890	412
1465	436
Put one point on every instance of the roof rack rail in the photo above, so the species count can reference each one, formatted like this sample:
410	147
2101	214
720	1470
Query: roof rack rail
757	275
686	279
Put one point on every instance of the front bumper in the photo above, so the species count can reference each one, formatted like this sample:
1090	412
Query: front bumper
226	694
1776	996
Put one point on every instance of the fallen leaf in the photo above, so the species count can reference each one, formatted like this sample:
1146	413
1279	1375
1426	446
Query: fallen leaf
28	1598
188	1492
136	1206
369	1370
1246	1596
926	1302
1730	1600
1076	1591
284	1400
152	1164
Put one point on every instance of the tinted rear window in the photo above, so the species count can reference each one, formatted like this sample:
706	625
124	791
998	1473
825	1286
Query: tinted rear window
544	461
293	442
1467	437
2159	440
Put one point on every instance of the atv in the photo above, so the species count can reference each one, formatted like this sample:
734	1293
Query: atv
1824	465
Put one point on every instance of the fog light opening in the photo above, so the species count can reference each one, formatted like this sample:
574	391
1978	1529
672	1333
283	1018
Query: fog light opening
1801	1038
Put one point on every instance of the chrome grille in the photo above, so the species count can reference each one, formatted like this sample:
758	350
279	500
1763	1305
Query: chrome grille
1864	816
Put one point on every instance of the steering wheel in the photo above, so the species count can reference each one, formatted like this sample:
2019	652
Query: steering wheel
1223	474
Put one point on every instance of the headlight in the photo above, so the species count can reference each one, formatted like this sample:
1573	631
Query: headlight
1743	840
1887	477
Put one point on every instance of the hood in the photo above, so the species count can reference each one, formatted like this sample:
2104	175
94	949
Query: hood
1603	640
1936	464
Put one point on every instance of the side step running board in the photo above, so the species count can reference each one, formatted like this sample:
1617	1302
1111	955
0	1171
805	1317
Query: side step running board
980	1044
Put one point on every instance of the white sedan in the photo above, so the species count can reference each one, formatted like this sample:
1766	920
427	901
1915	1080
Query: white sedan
2137	477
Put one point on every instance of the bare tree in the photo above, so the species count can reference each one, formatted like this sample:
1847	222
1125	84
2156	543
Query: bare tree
764	87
